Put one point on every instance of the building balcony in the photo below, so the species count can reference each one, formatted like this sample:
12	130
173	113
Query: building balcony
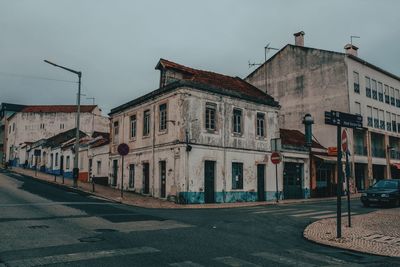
356	88
360	150
369	122
376	123
395	154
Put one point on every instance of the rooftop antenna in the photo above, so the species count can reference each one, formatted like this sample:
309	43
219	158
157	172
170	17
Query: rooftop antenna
351	38
267	48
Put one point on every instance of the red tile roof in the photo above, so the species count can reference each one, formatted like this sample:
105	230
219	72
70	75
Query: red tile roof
229	83
295	138
58	108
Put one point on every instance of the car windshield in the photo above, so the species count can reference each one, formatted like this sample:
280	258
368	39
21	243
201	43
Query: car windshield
386	184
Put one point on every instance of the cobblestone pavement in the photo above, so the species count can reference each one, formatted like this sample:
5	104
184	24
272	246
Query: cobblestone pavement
139	200
376	233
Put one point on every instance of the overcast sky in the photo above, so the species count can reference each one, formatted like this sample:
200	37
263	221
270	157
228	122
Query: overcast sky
116	43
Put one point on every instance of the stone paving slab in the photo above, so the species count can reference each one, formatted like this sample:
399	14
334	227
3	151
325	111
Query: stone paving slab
375	233
135	199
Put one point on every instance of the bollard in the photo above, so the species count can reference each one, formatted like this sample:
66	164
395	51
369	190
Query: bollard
55	178
92	186
63	179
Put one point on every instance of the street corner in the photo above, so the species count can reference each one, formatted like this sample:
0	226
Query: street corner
375	233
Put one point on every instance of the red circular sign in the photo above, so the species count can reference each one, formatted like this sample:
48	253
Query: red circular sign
276	157
123	149
344	140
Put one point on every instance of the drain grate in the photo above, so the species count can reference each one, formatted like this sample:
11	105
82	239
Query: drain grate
38	226
91	239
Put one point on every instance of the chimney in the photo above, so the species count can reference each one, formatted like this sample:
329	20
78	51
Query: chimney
299	38
351	49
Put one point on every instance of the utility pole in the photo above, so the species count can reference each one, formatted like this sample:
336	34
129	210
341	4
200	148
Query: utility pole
78	112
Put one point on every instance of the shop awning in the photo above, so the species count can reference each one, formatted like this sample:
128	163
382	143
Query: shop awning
330	159
396	165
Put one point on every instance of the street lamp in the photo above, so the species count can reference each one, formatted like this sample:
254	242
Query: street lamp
308	121
78	101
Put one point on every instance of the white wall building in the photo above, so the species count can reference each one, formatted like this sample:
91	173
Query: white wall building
201	137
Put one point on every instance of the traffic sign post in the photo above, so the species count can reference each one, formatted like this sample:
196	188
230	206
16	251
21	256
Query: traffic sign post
341	119
345	148
123	150
276	158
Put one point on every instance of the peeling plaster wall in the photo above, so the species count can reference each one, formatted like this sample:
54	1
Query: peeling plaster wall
185	170
306	80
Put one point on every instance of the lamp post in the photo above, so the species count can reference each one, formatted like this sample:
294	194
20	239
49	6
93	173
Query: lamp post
308	121
78	102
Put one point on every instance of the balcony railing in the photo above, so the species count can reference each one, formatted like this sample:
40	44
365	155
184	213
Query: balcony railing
382	125
376	123
387	101
392	101
380	97
388	126
356	88
378	152
398	103
360	150
374	94
369	123
394	154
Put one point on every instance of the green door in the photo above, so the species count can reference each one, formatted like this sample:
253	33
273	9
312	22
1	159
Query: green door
293	180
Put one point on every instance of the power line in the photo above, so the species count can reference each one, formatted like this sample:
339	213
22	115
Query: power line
33	77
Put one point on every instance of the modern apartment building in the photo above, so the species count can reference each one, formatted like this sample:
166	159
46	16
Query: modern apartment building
311	80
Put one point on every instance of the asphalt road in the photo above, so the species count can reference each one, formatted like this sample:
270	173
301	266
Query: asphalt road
43	224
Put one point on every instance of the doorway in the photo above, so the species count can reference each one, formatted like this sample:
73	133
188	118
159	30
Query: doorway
163	178
61	165
293	180
209	184
146	178
261	182
115	172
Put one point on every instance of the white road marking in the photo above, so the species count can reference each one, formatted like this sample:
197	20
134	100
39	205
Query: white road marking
185	264
282	260
64	258
318	257
274	210
311	213
235	262
331	215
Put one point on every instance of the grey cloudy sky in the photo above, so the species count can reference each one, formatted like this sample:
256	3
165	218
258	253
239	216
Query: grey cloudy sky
117	43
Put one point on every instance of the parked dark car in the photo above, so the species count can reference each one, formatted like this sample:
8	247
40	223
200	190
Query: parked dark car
384	192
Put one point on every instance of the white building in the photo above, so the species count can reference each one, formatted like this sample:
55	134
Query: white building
201	137
310	80
34	123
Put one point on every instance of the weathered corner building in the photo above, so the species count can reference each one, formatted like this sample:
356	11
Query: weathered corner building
201	137
309	80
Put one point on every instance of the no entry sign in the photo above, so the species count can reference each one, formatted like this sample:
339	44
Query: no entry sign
344	140
123	149
276	157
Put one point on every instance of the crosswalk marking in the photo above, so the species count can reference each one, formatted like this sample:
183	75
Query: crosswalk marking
185	264
282	260
326	216
274	210
311	213
318	257
64	258
235	262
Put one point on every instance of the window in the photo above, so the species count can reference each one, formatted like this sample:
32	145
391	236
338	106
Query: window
42	126
67	163
368	87
397	98
392	100
260	124
394	126
376	119
387	101
51	160
56	160
388	122
210	116
116	131
237	175
81	163
146	123
61	126
99	167
398	123
374	92
380	91
356	79
9	129
131	175
13	126
237	121
382	119
163	117
369	116
133	126
358	108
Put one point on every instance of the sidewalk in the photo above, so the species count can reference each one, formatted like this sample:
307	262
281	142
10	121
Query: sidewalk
139	200
375	233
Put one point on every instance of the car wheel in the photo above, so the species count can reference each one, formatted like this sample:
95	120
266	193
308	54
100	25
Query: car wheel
366	204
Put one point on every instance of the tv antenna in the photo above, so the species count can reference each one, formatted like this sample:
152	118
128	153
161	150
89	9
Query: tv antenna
353	37
267	48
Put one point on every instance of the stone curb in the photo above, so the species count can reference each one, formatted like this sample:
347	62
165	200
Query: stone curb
181	206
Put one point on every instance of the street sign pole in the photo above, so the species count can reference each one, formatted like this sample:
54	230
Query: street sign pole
122	178
348	188
276	158
339	183
276	181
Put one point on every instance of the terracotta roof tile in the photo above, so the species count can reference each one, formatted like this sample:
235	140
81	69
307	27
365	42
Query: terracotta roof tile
295	138
57	108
